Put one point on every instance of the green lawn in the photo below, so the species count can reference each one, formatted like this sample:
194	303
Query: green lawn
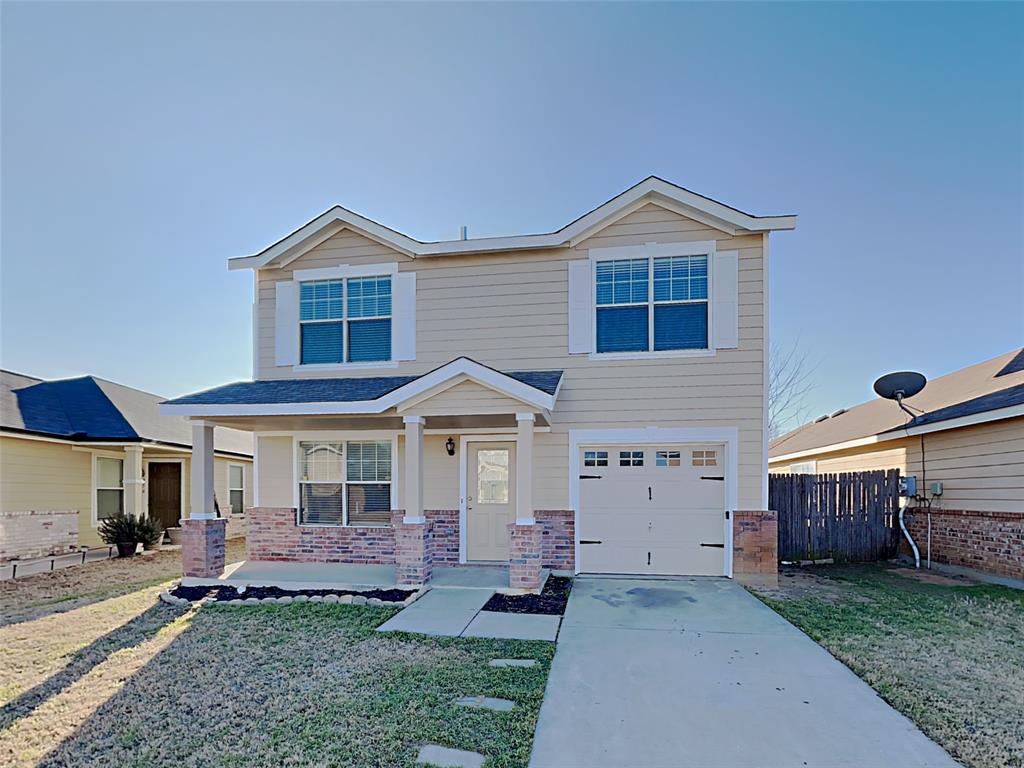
125	680
949	655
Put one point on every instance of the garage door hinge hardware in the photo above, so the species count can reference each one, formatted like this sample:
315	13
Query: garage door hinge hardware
708	477
720	546
590	477
590	541
727	514
648	558
649	496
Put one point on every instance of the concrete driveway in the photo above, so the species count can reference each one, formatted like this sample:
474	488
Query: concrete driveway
698	672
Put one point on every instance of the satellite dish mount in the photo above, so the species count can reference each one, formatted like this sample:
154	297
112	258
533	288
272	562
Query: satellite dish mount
900	385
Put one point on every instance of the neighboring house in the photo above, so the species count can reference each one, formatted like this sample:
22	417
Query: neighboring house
591	399
968	436
73	451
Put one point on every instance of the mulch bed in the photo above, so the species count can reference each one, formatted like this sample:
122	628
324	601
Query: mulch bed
230	593
550	602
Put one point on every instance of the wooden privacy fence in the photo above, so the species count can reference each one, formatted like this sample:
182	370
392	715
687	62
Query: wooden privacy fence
851	516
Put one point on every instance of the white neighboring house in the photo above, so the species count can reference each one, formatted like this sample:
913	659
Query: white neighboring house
74	450
591	399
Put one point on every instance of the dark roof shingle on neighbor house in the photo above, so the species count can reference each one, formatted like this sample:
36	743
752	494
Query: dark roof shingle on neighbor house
90	409
276	392
987	386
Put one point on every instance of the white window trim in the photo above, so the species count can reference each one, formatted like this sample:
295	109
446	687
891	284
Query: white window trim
599	438
334	436
94	512
651	251
230	489
344	272
813	467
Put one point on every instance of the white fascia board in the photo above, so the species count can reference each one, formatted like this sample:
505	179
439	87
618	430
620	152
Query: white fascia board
998	414
471	369
653	189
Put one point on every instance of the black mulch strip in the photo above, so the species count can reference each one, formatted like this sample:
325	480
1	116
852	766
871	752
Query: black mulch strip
550	602
230	593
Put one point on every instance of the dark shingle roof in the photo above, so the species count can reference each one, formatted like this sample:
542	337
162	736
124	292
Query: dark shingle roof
990	402
1016	365
332	390
93	409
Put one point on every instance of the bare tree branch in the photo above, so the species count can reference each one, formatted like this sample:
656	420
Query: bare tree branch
789	382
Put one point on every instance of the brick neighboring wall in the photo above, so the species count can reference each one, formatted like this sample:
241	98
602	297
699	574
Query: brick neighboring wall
38	533
755	546
558	542
987	541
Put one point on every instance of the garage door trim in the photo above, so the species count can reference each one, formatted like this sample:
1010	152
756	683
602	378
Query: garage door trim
729	436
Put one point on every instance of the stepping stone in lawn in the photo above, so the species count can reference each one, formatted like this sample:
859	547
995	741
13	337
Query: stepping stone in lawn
512	663
486	702
443	757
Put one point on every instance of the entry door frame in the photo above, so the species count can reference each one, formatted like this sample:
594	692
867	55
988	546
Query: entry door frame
464	441
727	436
145	488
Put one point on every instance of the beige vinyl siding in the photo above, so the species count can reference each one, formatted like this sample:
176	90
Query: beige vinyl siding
981	467
510	311
275	464
38	475
467	399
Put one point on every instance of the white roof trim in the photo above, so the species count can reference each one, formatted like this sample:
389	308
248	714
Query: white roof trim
462	367
883	437
651	189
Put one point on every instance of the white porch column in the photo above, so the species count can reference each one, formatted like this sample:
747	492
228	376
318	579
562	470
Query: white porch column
201	470
414	470
524	469
133	482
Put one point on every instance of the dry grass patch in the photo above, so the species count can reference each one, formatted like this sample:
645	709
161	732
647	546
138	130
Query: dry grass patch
949	657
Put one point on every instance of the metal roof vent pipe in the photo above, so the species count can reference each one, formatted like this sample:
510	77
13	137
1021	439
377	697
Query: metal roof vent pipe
464	232
898	386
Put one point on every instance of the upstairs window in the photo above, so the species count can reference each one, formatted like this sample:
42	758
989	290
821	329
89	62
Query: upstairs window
652	304
345	320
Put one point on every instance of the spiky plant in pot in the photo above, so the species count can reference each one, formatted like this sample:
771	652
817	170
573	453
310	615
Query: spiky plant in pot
124	531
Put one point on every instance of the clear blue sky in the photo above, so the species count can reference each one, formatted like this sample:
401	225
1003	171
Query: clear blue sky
145	143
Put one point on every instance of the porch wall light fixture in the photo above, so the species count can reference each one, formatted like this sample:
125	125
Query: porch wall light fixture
449	446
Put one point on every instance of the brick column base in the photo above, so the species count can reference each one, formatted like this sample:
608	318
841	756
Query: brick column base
413	564
755	547
524	558
202	547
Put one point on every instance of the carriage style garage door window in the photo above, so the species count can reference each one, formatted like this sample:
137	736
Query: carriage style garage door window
655	509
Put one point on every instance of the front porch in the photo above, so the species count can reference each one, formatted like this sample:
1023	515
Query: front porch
296	576
430	473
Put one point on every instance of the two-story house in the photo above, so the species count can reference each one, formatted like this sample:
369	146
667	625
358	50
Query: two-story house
592	399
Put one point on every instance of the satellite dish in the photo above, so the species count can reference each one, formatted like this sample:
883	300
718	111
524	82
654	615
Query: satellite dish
900	385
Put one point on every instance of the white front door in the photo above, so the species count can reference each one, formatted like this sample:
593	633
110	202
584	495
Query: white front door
653	509
490	499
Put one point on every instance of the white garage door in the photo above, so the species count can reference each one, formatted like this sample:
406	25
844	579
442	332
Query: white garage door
653	509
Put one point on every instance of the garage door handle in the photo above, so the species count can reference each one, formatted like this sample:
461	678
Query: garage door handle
590	477
720	546
591	541
707	477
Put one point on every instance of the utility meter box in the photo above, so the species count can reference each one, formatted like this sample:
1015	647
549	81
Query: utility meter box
908	486
936	488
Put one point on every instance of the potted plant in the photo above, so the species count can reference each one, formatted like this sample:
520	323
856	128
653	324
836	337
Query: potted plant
151	532
174	534
123	531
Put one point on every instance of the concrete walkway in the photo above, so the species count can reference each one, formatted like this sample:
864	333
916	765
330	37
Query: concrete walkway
456	612
697	672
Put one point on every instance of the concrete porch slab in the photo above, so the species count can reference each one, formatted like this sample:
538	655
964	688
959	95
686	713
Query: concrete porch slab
514	626
443	612
257	573
492	577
